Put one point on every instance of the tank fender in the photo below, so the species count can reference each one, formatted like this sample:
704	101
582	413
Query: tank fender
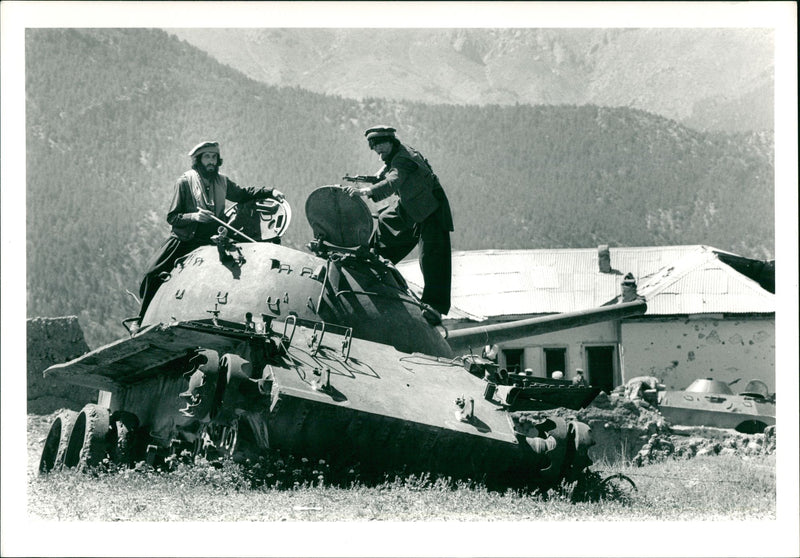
582	437
559	447
203	379
579	440
242	393
546	438
554	432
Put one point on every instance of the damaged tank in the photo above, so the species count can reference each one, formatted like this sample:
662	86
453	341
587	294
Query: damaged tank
250	346
709	402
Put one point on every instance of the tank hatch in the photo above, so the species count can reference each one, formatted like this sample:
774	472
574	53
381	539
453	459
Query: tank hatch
260	219
338	219
709	385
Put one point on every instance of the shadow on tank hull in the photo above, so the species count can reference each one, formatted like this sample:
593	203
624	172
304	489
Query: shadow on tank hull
253	347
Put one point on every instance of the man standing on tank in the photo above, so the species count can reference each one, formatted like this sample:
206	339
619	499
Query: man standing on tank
198	197
420	215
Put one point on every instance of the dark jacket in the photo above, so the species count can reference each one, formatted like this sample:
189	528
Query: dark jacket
408	174
184	202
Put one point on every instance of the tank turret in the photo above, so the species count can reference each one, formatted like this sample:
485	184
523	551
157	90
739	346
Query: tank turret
339	281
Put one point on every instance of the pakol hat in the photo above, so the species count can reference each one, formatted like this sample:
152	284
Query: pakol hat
379	132
205	147
629	281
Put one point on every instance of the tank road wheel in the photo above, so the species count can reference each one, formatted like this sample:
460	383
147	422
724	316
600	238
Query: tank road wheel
123	425
88	441
218	441
200	441
55	446
228	439
581	440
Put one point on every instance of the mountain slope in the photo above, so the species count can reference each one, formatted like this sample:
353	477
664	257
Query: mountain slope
677	73
111	114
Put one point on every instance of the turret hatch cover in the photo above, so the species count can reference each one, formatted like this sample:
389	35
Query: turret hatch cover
338	219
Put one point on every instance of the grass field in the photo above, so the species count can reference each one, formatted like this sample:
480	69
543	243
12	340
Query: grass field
707	488
703	488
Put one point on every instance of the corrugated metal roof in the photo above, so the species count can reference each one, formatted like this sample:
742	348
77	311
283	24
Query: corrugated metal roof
673	279
700	283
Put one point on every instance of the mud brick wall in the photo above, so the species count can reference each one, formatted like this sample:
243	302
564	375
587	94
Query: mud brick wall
53	341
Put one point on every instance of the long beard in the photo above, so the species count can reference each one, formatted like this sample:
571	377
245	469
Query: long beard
206	173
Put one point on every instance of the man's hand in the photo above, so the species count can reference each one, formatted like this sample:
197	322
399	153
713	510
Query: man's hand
353	191
202	216
269	193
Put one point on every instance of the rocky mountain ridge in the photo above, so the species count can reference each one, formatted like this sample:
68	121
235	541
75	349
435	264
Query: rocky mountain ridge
709	79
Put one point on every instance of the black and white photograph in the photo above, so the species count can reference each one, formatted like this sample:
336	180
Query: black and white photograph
399	279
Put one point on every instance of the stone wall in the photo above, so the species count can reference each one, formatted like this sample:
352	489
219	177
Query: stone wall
53	341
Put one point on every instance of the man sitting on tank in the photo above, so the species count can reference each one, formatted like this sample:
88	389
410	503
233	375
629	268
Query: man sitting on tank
199	196
420	215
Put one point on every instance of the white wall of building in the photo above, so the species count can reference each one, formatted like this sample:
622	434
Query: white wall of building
680	350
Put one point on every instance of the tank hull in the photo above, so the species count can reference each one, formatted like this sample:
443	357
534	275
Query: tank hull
719	410
324	398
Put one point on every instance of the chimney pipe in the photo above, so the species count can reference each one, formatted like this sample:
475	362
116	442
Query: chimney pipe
604	258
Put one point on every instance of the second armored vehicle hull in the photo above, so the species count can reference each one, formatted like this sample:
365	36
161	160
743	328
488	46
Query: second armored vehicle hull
712	403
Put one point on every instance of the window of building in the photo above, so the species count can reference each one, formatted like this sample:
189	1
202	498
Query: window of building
600	366
555	358
513	358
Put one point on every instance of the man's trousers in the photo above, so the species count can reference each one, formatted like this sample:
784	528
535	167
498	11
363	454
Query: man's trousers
397	236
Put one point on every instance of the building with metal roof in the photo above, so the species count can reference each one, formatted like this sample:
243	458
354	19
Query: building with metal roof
710	313
674	279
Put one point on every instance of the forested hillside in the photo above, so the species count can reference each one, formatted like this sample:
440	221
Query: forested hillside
111	114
